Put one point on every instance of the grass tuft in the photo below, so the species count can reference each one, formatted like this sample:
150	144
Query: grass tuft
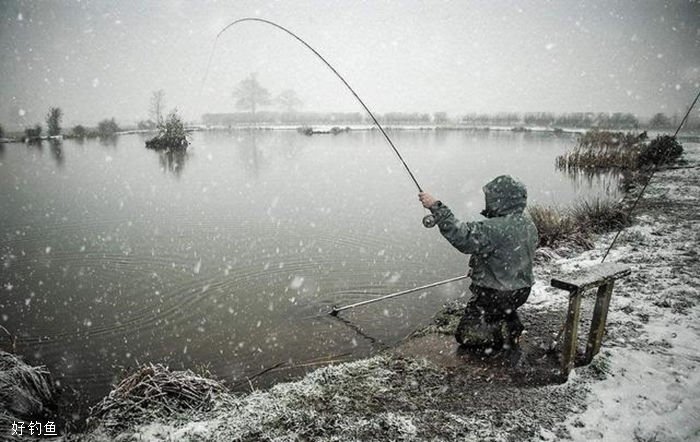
577	224
556	227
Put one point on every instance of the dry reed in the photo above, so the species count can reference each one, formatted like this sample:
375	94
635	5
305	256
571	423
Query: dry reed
154	391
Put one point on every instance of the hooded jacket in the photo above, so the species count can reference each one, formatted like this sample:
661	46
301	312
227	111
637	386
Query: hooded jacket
502	247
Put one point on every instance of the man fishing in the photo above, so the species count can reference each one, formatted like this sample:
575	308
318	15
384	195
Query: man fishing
502	249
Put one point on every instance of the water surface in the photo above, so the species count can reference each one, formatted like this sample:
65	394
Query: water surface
229	256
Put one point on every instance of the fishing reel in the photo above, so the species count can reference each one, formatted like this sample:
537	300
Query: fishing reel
429	221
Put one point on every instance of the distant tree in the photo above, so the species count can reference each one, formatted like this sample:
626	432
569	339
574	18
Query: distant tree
659	121
288	100
538	119
2	132
107	128
32	133
53	121
79	131
157	106
146	125
440	117
249	94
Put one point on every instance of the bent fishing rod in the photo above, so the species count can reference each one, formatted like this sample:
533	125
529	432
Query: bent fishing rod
428	220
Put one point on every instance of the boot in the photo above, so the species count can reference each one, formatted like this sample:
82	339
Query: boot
477	334
510	331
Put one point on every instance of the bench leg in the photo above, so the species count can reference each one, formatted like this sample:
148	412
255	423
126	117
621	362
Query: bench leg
600	315
571	332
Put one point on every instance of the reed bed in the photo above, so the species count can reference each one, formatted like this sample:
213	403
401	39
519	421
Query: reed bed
603	149
630	151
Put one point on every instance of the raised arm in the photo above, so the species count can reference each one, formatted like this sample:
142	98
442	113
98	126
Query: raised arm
467	237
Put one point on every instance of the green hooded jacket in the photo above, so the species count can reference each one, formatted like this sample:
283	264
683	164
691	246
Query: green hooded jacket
502	247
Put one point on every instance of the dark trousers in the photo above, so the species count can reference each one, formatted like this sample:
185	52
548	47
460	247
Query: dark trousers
490	319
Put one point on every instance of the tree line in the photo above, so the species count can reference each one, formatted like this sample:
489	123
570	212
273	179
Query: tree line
107	127
250	97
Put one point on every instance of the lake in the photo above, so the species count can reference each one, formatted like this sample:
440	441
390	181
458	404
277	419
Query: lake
230	256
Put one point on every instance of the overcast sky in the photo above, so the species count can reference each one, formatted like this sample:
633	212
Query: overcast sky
99	59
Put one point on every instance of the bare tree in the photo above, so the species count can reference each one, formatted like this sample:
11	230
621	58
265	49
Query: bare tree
288	100
157	106
249	94
659	121
53	120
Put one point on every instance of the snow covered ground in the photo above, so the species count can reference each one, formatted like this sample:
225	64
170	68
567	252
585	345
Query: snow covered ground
652	348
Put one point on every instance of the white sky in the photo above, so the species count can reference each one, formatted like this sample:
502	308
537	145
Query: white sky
103	59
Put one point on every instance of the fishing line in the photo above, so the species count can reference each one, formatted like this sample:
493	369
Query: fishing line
369	112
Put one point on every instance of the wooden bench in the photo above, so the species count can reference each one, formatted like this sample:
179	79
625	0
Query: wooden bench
603	277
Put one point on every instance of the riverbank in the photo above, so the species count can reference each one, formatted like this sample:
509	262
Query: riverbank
642	386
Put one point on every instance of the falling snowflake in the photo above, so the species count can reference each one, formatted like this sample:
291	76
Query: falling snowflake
297	282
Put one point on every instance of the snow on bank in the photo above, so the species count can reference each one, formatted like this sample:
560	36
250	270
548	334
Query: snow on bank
381	398
651	350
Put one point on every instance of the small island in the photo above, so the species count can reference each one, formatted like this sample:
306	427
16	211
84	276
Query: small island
171	135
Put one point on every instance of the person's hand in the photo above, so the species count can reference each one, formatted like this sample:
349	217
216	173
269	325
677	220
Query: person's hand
427	199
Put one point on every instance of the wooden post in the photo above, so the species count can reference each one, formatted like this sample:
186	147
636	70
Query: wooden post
571	332
600	315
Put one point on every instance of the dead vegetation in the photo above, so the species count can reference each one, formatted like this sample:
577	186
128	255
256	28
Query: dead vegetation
153	391
598	150
577	224
603	149
26	392
629	151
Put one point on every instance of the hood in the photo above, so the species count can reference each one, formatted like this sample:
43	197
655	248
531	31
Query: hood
504	196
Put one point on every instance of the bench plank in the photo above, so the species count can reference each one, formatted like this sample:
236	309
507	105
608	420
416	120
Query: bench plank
571	333
600	315
590	277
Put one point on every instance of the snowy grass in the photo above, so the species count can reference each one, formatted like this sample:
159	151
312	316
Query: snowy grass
577	224
382	398
25	391
153	391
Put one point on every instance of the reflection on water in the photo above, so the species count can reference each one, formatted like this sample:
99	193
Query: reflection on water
109	140
173	160
236	255
247	145
607	180
57	152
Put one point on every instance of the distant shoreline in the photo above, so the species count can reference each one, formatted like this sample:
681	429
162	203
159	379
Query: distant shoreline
333	129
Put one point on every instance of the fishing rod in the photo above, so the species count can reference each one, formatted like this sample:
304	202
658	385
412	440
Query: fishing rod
428	220
337	310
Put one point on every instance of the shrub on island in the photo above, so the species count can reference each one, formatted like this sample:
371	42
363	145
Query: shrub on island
171	135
